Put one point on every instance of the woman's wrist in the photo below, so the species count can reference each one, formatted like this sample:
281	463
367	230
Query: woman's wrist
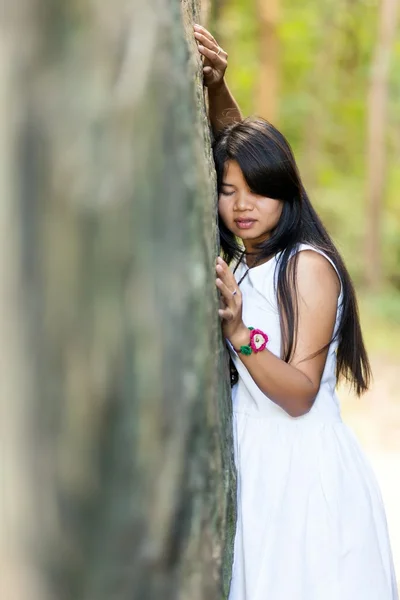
240	337
257	342
218	88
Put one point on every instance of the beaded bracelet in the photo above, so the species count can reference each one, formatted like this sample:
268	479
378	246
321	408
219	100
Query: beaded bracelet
258	341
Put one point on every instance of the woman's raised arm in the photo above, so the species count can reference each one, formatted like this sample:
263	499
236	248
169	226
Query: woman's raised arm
223	108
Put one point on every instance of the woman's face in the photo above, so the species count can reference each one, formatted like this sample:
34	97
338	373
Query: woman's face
246	214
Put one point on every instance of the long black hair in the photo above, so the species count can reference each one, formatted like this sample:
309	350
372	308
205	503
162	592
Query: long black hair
269	168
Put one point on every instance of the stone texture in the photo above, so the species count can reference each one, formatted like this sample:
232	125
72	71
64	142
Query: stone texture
118	467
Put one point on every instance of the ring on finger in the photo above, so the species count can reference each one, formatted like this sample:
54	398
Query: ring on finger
219	50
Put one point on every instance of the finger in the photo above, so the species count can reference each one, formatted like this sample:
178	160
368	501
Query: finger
206	33
217	60
208	43
220	261
226	275
226	292
222	302
225	314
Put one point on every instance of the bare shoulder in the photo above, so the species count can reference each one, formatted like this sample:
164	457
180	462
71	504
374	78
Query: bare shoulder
316	275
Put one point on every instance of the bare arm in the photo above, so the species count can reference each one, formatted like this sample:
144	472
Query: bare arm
222	107
294	385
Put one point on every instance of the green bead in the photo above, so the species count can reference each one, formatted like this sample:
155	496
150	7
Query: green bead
251	328
246	350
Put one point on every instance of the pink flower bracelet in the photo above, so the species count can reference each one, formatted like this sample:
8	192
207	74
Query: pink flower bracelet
258	342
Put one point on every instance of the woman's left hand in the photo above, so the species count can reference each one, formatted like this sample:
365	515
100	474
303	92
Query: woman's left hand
215	59
233	327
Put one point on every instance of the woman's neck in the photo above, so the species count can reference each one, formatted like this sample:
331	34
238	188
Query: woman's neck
253	261
252	253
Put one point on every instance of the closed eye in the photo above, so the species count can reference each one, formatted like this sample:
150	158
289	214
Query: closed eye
227	193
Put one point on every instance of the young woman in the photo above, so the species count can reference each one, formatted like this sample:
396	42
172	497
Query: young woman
311	523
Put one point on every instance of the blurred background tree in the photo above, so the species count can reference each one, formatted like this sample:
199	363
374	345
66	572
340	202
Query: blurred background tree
378	121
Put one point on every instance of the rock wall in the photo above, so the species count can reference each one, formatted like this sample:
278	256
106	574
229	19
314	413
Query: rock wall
115	418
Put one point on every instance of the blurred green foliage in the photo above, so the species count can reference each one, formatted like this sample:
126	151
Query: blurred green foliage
326	48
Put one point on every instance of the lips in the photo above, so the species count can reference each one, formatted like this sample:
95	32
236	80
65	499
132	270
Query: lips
244	223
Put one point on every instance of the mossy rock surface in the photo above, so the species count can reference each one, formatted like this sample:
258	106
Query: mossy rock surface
120	395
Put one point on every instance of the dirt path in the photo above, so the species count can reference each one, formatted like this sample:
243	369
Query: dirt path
376	421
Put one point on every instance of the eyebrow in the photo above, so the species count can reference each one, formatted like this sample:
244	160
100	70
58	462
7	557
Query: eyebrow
228	184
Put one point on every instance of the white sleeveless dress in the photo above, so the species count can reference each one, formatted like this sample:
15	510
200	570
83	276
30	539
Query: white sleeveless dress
311	523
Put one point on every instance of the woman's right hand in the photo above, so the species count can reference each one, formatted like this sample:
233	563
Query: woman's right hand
215	59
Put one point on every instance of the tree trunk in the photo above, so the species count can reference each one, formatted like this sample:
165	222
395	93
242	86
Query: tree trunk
377	129
215	19
205	12
319	84
115	418
267	100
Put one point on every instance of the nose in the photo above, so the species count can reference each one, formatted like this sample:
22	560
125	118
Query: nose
243	202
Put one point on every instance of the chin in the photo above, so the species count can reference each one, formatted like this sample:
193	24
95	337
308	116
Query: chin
247	235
